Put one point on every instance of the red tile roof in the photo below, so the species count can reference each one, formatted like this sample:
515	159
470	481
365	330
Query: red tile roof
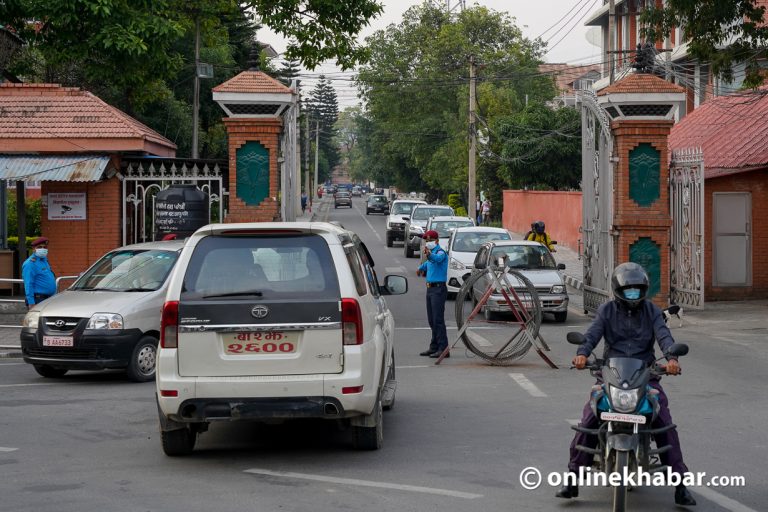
252	82
731	130
641	83
36	114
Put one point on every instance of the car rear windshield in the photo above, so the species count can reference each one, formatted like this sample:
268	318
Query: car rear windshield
403	208
377	199
426	213
445	227
268	267
472	241
128	270
526	257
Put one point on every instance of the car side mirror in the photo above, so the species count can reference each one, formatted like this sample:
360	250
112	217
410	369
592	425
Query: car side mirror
677	349
574	338
394	285
561	266
480	265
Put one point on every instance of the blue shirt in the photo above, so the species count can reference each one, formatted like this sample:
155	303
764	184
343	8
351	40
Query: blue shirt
38	278
436	266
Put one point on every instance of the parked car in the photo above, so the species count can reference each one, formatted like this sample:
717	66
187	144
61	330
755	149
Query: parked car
274	321
536	263
395	222
342	198
444	225
462	248
417	221
109	318
377	203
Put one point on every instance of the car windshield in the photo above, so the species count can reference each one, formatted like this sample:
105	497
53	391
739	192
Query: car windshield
445	227
529	257
377	199
426	213
128	270
403	208
472	241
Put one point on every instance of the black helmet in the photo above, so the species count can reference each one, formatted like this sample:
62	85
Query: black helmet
538	227
629	275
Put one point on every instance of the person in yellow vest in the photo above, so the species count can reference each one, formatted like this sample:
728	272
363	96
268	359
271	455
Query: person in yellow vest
538	234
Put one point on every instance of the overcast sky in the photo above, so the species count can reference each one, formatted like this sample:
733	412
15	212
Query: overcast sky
567	40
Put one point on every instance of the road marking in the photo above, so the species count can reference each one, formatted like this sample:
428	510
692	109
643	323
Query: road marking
415	366
394	270
364	483
724	501
11	364
369	225
527	385
26	385
478	339
6	449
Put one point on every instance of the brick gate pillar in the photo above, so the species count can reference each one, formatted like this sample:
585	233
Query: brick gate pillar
642	108
254	102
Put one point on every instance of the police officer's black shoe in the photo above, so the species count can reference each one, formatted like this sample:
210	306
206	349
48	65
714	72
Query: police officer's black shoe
435	355
568	491
683	497
427	353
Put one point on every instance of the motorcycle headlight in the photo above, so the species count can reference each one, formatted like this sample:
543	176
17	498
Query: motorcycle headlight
455	264
31	319
624	400
558	288
105	321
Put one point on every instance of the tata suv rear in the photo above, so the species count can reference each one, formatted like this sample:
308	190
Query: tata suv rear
270	321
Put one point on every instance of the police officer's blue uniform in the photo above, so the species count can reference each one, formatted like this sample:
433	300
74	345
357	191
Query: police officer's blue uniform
39	280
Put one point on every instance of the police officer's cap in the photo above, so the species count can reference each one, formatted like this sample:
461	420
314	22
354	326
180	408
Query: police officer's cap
39	241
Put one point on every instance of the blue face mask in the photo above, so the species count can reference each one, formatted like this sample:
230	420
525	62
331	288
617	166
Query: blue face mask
632	293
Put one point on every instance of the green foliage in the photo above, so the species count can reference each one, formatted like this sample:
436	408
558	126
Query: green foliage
454	201
33	209
461	211
722	32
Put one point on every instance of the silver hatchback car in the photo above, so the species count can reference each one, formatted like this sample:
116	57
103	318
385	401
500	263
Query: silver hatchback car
109	318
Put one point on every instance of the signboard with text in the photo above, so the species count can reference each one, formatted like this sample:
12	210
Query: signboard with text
66	206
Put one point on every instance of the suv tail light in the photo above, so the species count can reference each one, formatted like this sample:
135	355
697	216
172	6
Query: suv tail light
352	322
169	325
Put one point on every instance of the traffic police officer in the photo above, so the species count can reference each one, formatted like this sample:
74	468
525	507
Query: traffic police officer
435	268
39	281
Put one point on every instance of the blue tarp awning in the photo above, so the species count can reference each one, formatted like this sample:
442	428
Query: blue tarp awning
82	168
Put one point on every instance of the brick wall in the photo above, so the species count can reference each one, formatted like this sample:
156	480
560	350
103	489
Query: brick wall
267	133
560	211
756	183
76	244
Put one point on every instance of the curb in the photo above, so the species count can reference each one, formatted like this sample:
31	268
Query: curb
574	283
10	355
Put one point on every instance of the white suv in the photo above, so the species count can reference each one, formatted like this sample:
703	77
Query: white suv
267	321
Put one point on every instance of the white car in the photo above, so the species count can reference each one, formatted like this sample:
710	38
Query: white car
416	223
462	248
395	222
273	321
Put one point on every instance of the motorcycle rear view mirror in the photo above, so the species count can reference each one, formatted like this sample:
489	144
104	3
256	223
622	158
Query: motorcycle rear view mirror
575	338
677	349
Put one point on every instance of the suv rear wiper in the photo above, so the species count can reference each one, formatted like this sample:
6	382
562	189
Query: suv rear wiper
234	294
139	289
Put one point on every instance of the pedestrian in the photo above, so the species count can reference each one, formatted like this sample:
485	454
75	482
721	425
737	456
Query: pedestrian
39	281
435	269
479	210
303	202
486	211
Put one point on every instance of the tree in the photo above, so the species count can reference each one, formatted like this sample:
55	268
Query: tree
289	70
721	32
323	106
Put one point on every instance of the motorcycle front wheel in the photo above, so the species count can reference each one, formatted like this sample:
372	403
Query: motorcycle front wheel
620	491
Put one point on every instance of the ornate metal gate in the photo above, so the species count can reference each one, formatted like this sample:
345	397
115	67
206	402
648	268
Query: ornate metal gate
597	201
143	178
686	196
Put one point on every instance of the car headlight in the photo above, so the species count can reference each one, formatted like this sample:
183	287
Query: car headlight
415	229
558	288
455	264
105	321
31	319
624	400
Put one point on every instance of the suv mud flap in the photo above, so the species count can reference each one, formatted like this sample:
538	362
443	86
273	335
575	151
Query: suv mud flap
388	393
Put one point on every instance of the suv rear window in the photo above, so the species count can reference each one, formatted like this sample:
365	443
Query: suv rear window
420	213
271	267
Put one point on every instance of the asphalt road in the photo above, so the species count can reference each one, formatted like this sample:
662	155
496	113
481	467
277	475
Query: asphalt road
456	440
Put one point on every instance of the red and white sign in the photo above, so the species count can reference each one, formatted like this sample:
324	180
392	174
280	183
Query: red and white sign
66	206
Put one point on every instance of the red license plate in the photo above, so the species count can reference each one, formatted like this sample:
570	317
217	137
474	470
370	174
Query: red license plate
58	341
269	342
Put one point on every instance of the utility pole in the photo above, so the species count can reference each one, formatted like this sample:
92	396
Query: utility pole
317	152
307	188
472	139
196	106
611	40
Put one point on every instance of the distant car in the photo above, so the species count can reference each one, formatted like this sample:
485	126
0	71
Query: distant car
445	226
108	319
356	191
395	222
535	262
342	198
417	221
377	204
462	248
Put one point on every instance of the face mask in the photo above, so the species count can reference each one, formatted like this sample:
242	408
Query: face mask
431	245
41	252
632	293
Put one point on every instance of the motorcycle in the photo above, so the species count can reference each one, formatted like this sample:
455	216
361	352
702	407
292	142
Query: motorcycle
626	406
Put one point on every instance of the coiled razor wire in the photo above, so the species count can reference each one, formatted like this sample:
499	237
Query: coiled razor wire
524	326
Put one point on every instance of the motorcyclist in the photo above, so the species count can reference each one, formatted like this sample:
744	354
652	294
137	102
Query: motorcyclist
538	234
629	324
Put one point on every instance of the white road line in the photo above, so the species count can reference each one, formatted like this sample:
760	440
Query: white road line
478	339
395	270
724	501
364	483
11	364
527	385
415	366
26	385
6	449
370	225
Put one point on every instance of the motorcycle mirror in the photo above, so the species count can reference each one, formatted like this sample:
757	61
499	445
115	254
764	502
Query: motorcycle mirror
575	338
678	349
673	309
